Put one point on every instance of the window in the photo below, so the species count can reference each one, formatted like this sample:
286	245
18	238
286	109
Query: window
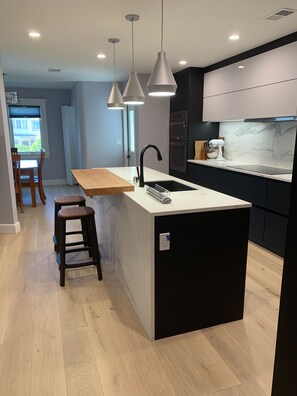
129	136
28	126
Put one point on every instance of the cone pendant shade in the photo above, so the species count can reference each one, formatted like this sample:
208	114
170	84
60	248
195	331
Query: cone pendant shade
115	100
133	94
161	82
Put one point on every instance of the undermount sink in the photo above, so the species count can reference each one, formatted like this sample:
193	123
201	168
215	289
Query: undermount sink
170	185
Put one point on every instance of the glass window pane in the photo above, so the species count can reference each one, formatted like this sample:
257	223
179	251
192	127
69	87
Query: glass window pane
26	134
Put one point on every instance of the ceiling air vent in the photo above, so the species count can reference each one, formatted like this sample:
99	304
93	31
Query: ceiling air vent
52	70
279	14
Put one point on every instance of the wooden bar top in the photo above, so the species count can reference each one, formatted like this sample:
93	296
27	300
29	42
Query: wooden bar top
101	182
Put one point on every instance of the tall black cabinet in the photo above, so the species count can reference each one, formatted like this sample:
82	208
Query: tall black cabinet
189	97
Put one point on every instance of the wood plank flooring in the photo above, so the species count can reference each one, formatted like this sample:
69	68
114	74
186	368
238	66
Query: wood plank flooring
85	339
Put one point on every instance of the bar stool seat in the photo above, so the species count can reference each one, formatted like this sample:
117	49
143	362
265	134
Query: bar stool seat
66	200
90	242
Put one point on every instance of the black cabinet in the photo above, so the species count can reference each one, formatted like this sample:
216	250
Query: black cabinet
275	232
247	187
200	280
189	97
270	200
209	177
278	197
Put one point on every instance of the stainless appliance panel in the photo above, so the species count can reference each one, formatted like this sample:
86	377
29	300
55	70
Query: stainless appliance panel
179	125
178	156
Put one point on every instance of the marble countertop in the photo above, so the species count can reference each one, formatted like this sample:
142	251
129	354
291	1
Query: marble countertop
199	200
226	163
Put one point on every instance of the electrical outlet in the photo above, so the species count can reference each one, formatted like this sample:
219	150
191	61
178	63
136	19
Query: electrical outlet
164	240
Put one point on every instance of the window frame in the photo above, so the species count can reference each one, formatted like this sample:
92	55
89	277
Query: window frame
43	126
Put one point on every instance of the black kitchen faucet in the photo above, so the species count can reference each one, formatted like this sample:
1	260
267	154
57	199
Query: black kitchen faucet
141	176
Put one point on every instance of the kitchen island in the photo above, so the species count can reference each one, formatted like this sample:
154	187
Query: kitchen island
182	264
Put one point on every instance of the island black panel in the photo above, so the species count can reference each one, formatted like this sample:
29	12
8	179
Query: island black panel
200	281
257	223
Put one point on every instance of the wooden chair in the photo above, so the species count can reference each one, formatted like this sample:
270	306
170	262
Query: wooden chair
16	158
37	179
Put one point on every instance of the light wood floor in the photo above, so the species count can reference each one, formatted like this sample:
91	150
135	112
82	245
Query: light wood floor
85	339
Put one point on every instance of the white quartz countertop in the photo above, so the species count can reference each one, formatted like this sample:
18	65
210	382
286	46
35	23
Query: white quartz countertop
226	164
199	200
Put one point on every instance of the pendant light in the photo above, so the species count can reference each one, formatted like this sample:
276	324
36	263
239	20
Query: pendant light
115	100
161	82
133	94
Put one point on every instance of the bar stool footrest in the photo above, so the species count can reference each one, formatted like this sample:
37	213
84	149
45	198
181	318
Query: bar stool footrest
74	265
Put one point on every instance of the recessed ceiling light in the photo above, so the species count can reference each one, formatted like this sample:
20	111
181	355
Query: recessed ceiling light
101	56
183	62
234	37
34	34
240	67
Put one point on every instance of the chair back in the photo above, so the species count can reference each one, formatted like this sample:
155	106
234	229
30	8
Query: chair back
14	150
16	167
40	165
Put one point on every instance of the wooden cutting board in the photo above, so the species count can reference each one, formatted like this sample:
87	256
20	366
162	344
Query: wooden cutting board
101	182
200	150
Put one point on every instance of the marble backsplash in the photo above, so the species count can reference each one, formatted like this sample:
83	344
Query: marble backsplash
269	143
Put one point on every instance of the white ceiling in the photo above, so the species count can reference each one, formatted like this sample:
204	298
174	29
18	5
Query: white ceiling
74	31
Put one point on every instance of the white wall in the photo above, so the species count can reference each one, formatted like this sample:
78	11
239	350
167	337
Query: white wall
8	213
152	125
100	130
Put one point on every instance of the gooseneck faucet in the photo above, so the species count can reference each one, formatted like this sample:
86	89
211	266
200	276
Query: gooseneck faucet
141	175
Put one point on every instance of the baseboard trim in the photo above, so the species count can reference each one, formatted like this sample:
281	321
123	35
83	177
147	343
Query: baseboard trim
10	228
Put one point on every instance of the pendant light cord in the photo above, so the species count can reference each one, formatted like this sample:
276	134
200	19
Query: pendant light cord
114	63
162	20
132	45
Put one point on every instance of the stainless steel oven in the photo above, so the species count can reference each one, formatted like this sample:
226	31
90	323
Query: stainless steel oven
179	125
178	141
178	156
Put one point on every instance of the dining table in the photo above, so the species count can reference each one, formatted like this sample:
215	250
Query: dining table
28	167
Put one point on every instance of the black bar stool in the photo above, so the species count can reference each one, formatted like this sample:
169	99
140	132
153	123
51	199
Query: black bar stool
67	200
87	215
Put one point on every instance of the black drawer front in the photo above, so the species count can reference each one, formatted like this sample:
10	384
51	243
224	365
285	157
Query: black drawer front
209	177
249	188
275	232
278	197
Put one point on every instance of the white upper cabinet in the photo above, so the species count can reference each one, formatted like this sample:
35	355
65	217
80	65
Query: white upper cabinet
274	100
222	107
226	79
270	67
265	87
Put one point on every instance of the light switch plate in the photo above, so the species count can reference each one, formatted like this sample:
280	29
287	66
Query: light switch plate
164	241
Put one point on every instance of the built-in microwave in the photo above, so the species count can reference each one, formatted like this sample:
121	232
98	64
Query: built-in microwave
178	156
179	125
